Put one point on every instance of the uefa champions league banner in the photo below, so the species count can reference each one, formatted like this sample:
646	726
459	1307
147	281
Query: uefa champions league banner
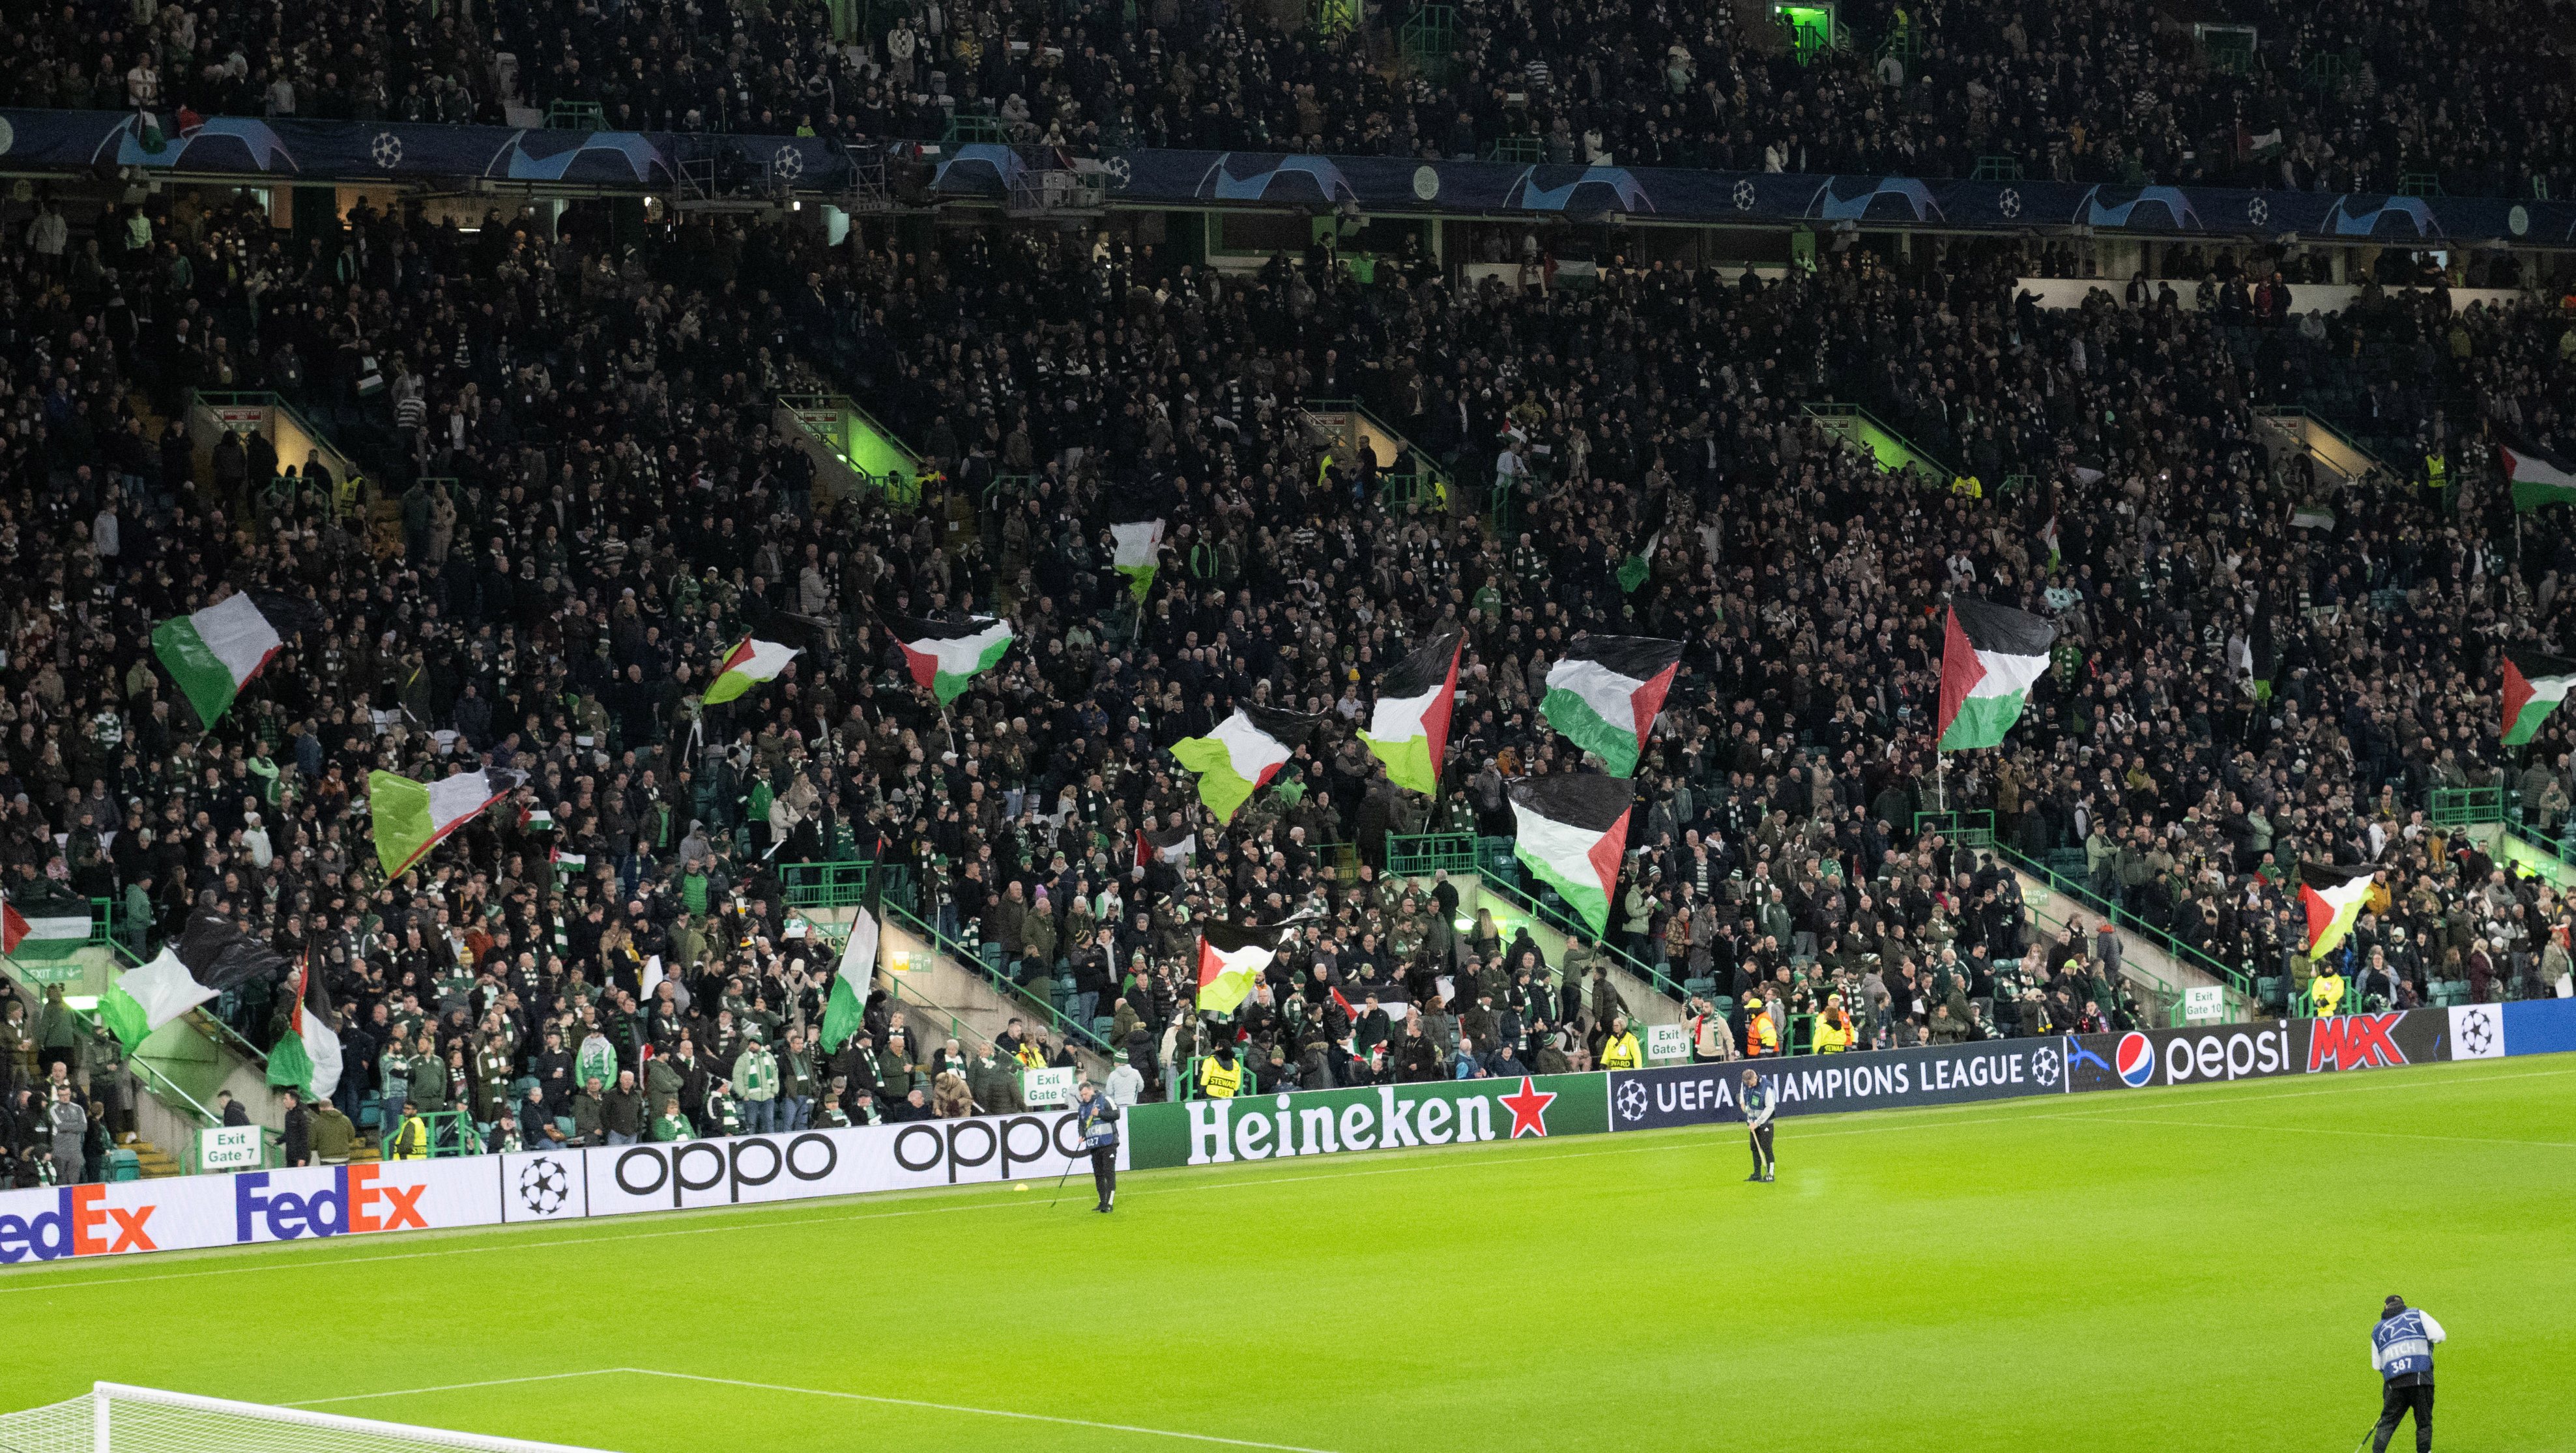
248	1208
287	150
1993	1069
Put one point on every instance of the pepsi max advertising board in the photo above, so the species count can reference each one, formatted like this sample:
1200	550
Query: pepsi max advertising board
2218	1053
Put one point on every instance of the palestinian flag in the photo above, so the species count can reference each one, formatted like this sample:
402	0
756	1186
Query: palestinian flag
2534	684
306	1058
1634	569
412	817
945	655
1573	830
1245	751
213	652
1409	730
761	655
1139	553
1231	958
2539	477
210	957
51	924
2332	898
1605	692
847	1008
1992	655
1174	844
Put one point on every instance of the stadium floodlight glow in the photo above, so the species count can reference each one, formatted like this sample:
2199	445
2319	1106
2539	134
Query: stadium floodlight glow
115	1417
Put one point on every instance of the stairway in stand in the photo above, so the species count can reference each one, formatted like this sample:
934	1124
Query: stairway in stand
158	1164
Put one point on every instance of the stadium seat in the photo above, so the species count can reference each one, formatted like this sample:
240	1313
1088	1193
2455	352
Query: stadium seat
2268	991
1101	1024
124	1165
1698	986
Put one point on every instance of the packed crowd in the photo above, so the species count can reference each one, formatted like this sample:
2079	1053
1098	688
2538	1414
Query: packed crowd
574	503
2364	98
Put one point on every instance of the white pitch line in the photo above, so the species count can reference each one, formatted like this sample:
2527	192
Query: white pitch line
860	1397
404	1392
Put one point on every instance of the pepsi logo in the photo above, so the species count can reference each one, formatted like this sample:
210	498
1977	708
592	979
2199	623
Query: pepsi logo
2135	1060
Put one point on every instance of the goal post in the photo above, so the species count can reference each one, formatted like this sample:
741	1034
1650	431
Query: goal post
115	1417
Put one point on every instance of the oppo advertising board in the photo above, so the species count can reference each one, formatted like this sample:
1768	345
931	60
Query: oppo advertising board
250	1208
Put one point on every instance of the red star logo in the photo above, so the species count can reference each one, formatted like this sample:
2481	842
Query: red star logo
1529	1108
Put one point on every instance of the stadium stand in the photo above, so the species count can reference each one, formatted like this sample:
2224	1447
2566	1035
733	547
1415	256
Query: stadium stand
531	470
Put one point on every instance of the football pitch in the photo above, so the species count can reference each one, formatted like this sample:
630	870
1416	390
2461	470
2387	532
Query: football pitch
2186	1268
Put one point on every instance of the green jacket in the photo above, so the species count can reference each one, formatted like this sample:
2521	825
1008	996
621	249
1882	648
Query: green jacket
671	1127
755	1074
428	1083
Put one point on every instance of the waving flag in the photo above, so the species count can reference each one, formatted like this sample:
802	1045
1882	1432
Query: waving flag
49	923
413	817
307	1056
946	656
1231	959
1991	657
2534	684
1245	751
213	652
1409	730
210	957
2538	476
1139	554
1606	691
847	1008
1174	844
1573	829
763	654
2332	898
1634	570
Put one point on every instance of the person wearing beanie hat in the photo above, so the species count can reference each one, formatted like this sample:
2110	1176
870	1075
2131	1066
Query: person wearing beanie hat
2401	1352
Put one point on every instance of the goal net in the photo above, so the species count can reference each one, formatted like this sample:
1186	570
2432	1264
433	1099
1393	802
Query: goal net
116	1418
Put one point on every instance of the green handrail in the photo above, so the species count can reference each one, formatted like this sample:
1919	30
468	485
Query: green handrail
2175	948
1415	854
824	885
2464	806
1064	1026
468	1140
1565	922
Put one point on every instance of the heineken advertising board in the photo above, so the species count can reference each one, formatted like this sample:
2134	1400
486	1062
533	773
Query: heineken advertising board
1372	1117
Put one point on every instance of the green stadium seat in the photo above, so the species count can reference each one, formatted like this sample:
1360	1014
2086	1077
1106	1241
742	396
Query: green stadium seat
1698	986
2269	990
1101	1024
1721	1003
124	1165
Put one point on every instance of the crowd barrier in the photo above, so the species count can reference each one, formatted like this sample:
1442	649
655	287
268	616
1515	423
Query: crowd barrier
318	1204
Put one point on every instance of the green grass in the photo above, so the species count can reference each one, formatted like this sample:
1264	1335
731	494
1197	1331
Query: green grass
2192	1268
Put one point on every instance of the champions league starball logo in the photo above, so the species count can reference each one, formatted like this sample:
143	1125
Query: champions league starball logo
2044	1067
1632	1101
2477	1035
544	1184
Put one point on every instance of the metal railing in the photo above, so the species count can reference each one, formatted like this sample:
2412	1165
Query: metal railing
462	1138
2174	948
1973	828
2464	806
1547	908
824	885
967	958
1413	855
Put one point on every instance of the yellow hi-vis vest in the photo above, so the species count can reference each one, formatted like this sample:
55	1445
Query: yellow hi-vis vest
1219	1080
2437	472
